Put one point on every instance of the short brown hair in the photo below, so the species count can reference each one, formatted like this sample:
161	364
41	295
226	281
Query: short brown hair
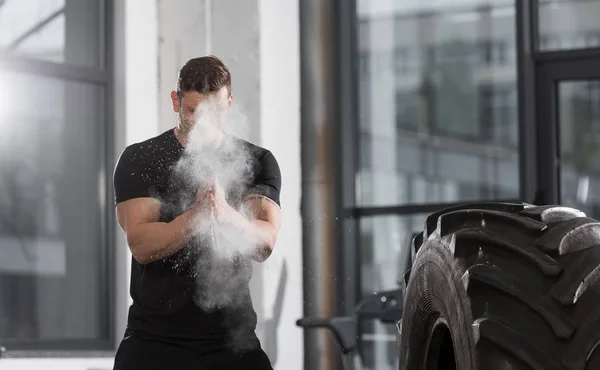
204	75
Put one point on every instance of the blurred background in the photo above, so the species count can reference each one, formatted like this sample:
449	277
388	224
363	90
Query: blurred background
378	111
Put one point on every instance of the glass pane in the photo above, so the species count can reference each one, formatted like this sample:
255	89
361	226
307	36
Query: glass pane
378	347
60	31
385	256
51	218
568	24
385	249
438	102
579	120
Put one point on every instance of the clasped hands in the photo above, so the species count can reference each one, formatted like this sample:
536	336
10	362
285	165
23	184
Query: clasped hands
211	202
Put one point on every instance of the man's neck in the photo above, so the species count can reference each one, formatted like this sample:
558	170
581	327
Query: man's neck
181	135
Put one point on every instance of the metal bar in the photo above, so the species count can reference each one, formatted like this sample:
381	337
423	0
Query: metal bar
36	28
573	55
109	253
546	132
532	11
525	43
61	71
573	70
347	154
410	208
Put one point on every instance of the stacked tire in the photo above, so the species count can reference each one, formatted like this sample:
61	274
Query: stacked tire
503	286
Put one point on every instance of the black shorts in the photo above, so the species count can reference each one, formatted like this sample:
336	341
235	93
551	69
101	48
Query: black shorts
142	351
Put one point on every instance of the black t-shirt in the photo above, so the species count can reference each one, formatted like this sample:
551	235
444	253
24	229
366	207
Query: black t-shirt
194	293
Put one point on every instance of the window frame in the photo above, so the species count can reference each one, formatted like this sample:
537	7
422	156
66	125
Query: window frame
103	77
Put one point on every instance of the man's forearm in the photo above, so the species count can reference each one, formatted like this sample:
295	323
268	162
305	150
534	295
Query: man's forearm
258	237
154	241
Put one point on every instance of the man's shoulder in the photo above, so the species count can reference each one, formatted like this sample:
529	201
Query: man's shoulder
156	141
145	151
264	163
256	151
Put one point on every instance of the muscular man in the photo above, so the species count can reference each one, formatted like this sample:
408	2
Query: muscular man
176	267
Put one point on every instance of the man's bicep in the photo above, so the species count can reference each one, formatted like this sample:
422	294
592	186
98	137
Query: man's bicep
133	212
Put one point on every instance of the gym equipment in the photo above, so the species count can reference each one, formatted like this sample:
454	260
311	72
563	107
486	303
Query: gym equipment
385	306
503	286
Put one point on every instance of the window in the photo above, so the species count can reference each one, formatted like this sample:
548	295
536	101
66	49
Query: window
385	249
401	58
364	64
445	83
572	21
592	38
438	125
486	49
54	193
407	111
60	31
498	115
500	53
366	147
385	255
579	118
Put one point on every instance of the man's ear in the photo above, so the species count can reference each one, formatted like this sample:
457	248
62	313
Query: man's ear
230	100
176	101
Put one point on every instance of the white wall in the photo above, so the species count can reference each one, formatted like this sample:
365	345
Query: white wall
280	132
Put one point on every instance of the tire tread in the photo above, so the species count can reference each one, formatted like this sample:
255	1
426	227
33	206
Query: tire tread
456	220
547	265
576	278
556	250
516	344
556	238
561	324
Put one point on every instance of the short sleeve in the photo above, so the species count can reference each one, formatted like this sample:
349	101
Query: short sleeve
267	178
128	179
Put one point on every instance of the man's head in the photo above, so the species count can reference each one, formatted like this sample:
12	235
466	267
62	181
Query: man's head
203	94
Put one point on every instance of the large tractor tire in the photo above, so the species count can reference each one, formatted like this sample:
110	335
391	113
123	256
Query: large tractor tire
503	286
